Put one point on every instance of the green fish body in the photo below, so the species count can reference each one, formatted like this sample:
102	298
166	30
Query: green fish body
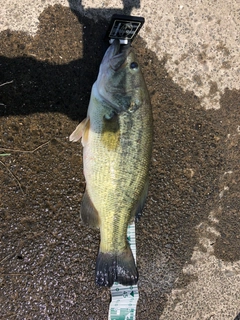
117	141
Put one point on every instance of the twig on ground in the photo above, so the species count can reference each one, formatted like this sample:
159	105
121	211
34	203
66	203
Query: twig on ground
25	151
13	175
16	274
3	84
21	151
10	255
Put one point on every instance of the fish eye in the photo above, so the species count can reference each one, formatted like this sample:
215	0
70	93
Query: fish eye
133	65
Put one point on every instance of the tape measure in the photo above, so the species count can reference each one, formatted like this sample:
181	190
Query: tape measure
124	298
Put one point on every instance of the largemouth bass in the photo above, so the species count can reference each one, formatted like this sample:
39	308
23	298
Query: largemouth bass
117	141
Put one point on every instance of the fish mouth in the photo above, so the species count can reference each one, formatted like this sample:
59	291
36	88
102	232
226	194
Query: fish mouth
116	54
110	74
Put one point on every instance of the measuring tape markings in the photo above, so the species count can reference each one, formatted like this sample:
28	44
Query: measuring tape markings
124	298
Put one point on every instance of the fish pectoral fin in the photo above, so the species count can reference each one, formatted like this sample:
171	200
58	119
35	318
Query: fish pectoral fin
116	266
136	213
88	212
81	131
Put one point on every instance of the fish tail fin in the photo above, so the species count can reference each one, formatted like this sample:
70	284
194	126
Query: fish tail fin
116	266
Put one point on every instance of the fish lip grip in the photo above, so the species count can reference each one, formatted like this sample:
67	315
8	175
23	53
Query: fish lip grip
124	28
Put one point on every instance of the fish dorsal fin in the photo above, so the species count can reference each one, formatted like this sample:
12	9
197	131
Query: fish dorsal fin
88	212
81	131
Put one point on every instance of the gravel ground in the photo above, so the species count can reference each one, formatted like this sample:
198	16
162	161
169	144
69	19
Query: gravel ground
190	224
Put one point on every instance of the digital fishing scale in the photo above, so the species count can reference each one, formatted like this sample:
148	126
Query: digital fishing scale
124	298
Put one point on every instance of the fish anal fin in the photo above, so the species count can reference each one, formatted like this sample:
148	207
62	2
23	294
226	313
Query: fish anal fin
88	212
136	213
80	130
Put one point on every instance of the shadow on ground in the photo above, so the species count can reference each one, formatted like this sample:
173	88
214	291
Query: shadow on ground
47	257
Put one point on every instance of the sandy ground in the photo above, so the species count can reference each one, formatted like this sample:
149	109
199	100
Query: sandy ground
188	241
